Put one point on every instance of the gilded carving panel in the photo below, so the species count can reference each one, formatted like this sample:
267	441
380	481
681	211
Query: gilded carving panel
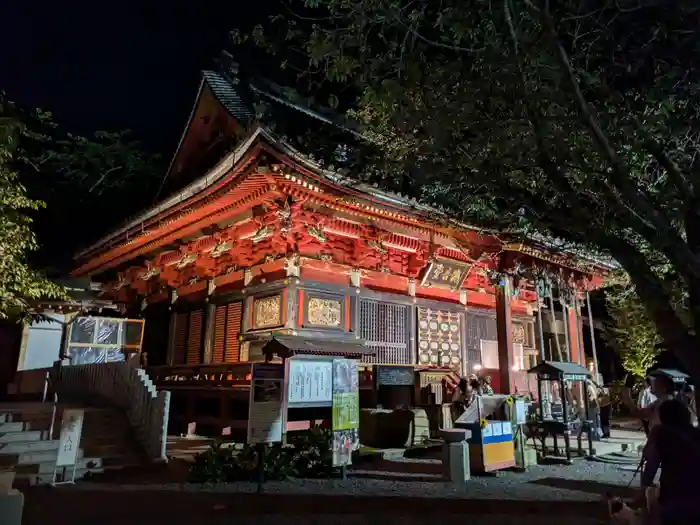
325	312
267	312
519	336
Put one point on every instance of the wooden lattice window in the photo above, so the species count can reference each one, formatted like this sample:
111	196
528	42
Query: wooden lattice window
227	329
384	327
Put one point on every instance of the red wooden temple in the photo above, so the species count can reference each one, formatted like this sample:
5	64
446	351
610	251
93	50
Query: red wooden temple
263	241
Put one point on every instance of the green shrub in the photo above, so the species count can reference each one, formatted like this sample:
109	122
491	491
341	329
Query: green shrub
216	465
307	455
313	452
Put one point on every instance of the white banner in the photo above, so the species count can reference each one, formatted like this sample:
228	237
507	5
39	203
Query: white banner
69	441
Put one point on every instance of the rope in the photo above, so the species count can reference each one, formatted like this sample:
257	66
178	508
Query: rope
634	474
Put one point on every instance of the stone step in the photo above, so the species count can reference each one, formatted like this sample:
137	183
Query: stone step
13	427
22	447
22	436
47	467
48	477
45	456
22	413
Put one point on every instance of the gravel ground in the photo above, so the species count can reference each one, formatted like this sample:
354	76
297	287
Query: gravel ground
582	481
394	519
84	507
544	495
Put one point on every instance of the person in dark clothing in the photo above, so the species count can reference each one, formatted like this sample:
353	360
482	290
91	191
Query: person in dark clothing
605	404
462	397
674	445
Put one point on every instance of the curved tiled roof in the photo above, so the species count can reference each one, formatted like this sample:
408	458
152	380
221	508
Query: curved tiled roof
238	99
230	96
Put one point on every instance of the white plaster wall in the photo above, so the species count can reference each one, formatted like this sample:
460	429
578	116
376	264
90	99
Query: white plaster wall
43	344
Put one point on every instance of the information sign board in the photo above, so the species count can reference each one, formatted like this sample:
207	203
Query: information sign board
267	411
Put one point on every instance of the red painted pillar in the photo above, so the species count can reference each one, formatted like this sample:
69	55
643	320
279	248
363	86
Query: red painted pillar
504	330
573	325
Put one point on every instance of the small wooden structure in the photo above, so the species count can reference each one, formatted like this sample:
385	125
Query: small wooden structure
680	379
555	418
491	445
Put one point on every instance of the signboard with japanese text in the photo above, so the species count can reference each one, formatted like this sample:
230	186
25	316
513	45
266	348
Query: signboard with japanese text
447	274
267	409
310	382
346	411
69	440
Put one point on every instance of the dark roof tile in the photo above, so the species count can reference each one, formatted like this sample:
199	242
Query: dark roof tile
229	95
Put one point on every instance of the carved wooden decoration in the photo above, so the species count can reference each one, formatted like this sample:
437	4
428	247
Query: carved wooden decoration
292	216
267	312
519	336
325	312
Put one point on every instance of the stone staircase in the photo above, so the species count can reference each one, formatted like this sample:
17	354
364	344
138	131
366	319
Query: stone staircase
26	448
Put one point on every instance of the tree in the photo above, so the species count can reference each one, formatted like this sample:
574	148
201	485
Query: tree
632	333
89	184
19	283
573	120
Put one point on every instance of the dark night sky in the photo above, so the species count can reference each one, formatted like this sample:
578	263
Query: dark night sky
116	65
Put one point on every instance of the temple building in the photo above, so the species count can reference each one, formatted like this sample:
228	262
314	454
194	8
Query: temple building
259	241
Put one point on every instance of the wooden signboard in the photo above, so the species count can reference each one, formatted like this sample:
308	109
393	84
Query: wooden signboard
445	273
267	407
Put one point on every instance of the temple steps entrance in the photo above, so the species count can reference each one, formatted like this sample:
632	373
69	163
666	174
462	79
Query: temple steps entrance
27	448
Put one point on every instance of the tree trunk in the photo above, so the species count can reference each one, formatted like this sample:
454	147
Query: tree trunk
675	334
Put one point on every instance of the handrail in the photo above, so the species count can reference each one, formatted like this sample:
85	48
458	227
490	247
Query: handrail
54	410
47	380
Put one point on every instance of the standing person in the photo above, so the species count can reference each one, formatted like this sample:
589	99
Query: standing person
663	388
689	399
476	387
646	398
485	388
674	445
605	406
594	409
462	397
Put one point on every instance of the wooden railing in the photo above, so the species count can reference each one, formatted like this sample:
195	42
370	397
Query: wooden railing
129	388
216	375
